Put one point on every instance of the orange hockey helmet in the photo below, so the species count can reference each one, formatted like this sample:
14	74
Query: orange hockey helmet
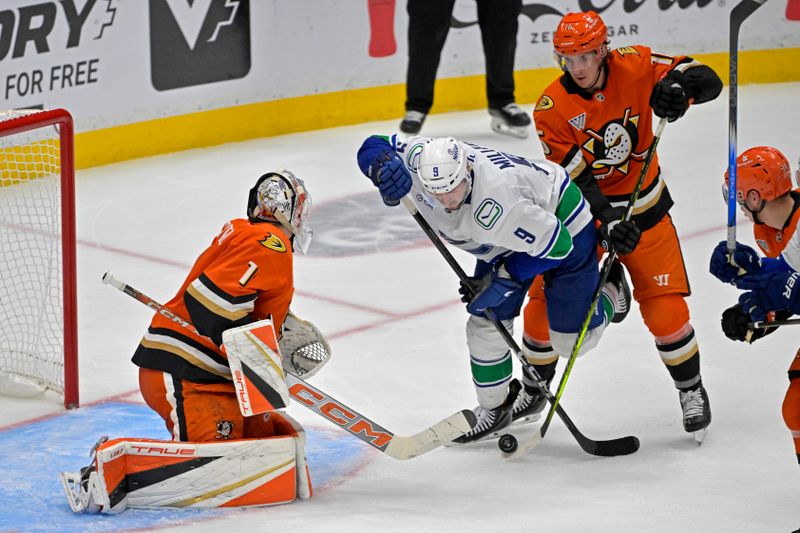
762	169
578	33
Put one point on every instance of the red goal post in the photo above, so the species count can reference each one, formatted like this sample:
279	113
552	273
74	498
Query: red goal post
38	297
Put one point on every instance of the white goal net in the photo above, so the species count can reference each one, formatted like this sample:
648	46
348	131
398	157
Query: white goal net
38	345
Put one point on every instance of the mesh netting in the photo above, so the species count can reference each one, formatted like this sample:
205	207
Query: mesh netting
31	312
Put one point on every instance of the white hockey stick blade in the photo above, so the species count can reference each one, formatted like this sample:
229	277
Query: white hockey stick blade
524	447
438	434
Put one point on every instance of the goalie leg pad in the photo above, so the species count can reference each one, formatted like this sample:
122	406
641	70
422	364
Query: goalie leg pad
256	369
144	473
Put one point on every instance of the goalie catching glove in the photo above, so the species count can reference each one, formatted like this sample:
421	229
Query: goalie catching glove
303	347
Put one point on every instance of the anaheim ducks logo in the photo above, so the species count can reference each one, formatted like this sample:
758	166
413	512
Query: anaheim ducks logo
545	102
224	429
612	146
273	242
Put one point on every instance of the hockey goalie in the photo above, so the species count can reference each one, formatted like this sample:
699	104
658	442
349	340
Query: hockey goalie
212	364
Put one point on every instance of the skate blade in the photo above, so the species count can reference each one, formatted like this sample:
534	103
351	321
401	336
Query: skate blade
700	435
530	419
520	132
490	437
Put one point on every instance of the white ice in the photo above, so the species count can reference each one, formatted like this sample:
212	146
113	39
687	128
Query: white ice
397	331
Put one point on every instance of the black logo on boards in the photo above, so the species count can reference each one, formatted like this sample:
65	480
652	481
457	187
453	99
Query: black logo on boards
193	43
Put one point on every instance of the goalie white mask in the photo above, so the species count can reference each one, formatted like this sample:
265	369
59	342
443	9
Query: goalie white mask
443	165
282	197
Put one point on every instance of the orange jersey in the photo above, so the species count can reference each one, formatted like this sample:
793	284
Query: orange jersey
611	130
243	276
772	241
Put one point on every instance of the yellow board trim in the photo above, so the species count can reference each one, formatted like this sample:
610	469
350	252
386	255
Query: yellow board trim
318	111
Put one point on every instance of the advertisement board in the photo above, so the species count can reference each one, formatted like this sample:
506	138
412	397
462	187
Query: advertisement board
123	62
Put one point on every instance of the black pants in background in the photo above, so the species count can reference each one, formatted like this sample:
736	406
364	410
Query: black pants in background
429	22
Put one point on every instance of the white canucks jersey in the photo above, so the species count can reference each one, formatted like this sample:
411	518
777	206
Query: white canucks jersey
516	204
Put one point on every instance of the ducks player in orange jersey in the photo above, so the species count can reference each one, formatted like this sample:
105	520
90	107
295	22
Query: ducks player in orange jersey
765	195
217	457
595	120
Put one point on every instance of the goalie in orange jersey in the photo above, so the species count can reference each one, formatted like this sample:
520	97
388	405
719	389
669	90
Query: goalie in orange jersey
241	285
596	121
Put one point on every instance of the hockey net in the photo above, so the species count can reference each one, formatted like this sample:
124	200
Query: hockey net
38	323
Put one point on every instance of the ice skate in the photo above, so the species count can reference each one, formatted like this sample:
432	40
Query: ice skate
412	122
491	423
530	402
79	486
696	412
510	120
528	407
619	291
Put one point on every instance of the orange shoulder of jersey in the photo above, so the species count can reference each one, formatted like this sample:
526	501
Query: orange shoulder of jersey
772	241
610	130
257	255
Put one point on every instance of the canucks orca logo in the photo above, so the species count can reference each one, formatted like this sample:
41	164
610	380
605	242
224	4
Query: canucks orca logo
273	242
613	146
412	157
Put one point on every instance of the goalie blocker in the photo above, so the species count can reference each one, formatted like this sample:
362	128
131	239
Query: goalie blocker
258	360
143	473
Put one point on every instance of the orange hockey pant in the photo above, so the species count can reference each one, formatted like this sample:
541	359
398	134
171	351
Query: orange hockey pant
658	276
200	412
791	403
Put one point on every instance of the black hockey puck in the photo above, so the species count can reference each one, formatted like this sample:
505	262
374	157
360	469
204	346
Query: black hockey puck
507	443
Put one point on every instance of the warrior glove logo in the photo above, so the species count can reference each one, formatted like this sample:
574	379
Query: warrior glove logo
194	43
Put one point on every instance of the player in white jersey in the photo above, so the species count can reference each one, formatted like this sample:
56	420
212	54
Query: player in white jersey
519	218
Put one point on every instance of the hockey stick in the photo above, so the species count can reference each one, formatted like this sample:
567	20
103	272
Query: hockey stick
605	448
612	256
775	323
739	13
395	446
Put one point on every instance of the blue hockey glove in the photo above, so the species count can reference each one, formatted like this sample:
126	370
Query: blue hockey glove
771	291
381	164
494	289
744	257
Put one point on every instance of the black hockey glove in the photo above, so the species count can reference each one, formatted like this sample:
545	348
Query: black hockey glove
669	97
468	293
621	235
736	324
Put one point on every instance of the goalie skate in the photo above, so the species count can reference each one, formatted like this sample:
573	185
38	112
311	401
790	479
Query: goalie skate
510	120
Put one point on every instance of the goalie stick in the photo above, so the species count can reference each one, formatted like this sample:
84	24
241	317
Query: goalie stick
739	14
604	448
400	447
